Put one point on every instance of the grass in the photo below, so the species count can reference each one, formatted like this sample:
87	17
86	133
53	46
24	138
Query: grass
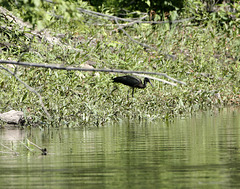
207	60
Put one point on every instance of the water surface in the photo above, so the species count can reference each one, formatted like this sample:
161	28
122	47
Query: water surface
197	152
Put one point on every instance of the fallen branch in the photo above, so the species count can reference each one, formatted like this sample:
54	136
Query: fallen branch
11	151
26	146
30	89
60	67
165	22
7	152
43	150
97	13
154	78
135	41
121	26
110	17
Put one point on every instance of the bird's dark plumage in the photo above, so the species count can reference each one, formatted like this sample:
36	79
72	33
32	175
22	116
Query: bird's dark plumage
132	81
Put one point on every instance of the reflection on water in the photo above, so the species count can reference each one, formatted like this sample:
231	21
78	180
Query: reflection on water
12	134
198	152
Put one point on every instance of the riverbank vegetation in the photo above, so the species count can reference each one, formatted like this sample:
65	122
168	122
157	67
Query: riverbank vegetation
192	43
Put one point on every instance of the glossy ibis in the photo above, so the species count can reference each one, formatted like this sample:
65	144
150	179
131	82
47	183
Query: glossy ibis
132	81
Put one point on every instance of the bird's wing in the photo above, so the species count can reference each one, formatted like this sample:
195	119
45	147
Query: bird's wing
128	80
132	81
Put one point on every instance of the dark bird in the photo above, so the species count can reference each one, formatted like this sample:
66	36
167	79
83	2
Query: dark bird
132	81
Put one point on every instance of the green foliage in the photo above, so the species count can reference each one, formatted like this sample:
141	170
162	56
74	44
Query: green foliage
207	59
228	16
225	16
42	13
124	6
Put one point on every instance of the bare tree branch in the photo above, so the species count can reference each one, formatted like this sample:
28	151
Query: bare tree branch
135	41
12	151
121	26
43	150
150	77
110	17
97	14
59	67
165	22
26	146
30	89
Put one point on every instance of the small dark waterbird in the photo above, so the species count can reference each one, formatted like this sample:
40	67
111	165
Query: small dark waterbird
132	81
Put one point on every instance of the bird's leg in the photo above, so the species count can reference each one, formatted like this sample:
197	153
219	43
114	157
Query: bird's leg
128	95
133	92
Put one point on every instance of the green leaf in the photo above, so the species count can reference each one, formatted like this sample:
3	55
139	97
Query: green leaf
77	56
37	3
24	97
148	3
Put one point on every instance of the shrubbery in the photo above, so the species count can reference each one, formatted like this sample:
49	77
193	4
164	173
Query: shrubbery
205	50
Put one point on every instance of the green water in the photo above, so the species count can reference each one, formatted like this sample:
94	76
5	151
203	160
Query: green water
197	152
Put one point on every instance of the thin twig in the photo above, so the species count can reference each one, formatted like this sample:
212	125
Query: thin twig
142	44
30	89
34	144
60	67
26	146
121	26
154	78
12	151
97	13
110	17
7	152
165	22
21	143
43	150
135	41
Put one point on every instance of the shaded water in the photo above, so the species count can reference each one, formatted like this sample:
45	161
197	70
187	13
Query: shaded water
198	152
